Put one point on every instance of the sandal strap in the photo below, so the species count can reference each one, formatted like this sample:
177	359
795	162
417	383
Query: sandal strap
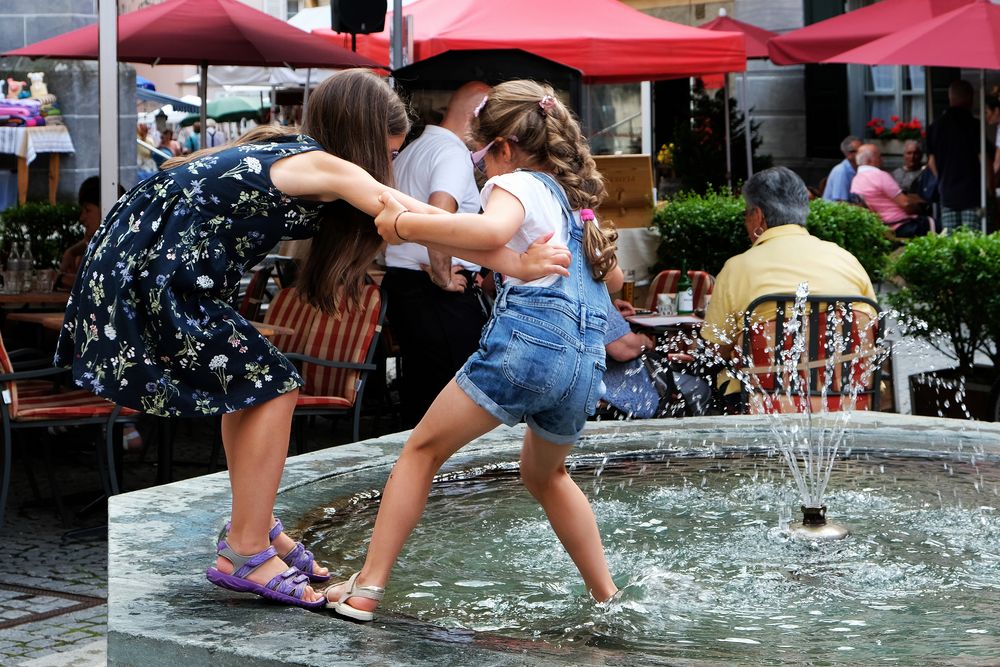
276	530
244	565
290	582
300	557
354	591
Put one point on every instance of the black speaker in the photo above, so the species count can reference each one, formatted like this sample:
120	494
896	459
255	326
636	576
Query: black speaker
358	17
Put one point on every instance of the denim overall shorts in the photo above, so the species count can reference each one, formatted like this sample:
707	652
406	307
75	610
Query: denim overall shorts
541	355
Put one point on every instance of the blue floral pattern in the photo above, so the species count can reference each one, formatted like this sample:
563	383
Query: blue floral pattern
149	323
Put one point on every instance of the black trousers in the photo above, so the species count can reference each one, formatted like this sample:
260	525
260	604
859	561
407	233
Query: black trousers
437	331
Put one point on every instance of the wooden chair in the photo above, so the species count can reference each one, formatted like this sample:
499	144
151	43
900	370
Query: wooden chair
337	357
665	282
253	298
837	368
30	399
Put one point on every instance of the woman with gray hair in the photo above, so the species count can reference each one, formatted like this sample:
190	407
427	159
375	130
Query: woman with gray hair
783	255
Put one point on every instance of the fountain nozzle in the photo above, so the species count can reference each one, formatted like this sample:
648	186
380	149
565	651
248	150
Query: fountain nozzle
815	527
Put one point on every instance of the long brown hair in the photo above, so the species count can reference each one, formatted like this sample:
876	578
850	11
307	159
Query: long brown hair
550	137
351	115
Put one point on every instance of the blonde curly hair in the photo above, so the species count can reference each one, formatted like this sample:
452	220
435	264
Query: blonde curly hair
549	136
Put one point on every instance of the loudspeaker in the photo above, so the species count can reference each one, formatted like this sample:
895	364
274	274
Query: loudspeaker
358	17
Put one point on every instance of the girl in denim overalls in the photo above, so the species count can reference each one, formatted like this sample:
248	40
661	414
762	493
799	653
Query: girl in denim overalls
541	356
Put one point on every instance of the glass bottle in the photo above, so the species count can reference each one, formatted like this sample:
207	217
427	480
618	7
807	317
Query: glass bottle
27	268
685	293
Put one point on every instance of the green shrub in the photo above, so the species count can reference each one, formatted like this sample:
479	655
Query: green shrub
857	230
706	230
701	230
950	283
50	228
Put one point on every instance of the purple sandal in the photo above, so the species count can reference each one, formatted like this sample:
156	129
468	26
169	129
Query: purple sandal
298	557
286	588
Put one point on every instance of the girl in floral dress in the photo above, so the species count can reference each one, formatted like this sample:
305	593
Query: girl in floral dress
149	323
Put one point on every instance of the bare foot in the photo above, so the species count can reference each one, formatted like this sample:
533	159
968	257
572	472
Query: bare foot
334	592
283	544
263	574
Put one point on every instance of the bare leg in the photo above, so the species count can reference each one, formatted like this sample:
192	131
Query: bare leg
543	471
256	444
451	422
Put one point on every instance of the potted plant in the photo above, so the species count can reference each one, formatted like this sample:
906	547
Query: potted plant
893	136
948	297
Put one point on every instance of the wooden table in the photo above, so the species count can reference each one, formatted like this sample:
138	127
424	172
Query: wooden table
40	298
54	322
26	143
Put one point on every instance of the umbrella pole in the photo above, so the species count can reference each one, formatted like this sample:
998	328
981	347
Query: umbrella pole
982	145
747	125
203	92
108	91
305	93
729	142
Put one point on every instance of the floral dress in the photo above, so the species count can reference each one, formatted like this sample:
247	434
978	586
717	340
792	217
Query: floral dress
149	324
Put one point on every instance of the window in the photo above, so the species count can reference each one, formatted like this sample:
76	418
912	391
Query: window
892	90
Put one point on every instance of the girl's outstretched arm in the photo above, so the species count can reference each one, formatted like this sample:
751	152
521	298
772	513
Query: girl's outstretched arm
324	177
539	260
494	227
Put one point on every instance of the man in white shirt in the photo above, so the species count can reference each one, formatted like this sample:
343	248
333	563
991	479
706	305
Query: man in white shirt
434	313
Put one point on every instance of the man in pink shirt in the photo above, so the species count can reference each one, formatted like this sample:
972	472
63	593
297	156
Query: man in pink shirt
882	194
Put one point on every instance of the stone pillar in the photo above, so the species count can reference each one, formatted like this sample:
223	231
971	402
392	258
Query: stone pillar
74	83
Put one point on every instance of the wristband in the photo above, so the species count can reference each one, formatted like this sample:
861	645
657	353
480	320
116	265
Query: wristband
395	222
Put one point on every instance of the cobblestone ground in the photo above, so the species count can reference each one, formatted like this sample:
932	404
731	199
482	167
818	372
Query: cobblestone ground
53	580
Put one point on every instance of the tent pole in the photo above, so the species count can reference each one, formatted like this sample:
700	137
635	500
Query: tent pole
203	92
729	142
108	92
747	125
982	145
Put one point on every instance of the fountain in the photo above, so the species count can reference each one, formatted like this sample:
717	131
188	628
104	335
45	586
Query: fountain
695	516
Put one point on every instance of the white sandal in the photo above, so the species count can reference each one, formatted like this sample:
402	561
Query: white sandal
341	606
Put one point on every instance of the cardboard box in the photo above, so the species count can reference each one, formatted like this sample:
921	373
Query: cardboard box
629	180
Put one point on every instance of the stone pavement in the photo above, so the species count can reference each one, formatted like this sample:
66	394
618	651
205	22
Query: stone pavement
53	584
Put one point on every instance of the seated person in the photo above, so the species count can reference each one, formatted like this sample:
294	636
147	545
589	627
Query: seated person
630	387
838	183
782	256
89	197
883	195
913	164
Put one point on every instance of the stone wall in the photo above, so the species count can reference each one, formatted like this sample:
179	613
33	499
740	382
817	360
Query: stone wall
75	83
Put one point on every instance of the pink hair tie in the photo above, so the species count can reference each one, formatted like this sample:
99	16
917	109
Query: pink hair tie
546	103
479	107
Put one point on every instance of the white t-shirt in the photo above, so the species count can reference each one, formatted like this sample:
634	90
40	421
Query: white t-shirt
542	214
438	161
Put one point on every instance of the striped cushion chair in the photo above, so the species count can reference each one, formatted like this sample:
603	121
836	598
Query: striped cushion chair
665	282
288	309
29	402
339	352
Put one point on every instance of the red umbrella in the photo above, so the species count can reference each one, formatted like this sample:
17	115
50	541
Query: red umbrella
201	32
965	37
606	40
756	43
818	42
756	38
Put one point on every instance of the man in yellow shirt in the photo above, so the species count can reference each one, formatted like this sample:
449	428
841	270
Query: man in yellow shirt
783	255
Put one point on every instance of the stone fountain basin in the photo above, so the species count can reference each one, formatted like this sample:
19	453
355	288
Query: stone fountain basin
162	611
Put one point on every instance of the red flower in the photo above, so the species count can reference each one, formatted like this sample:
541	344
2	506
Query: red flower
894	118
879	131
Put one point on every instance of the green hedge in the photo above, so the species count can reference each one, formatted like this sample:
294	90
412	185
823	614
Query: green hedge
706	230
50	228
951	284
